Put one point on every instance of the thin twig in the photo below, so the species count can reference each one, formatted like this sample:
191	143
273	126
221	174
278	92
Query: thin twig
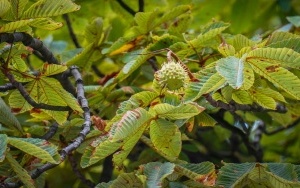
294	124
78	173
126	7
141	5
71	31
51	132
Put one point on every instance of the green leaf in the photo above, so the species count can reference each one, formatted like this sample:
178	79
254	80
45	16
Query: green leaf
39	148
130	123
231	174
44	90
127	180
52	69
241	97
203	119
17	7
45	23
202	172
12	26
141	99
83	56
292	42
295	20
183	111
93	154
208	32
277	37
48	8
279	76
21	172
172	14
156	172
3	146
240	41
271	93
144	20
209	81
4	7
283	56
166	137
231	68
94	31
257	175
7	118
127	145
133	65
262	99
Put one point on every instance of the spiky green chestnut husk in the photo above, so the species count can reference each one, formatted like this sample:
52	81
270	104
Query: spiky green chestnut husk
172	76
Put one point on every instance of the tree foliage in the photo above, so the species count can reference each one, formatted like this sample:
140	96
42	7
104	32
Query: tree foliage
189	94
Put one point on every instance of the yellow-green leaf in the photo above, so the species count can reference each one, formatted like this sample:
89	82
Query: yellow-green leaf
21	172
3	146
4	7
39	148
262	99
279	76
241	97
48	8
166	137
12	26
17	7
45	23
283	56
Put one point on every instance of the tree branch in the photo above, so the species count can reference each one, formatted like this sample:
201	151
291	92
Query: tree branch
77	141
6	87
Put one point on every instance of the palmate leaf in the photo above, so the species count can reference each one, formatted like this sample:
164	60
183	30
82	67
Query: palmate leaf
4	7
3	146
231	174
166	137
93	154
83	56
241	97
237	74
258	175
126	180
44	90
292	43
45	23
262	99
48	8
208	32
141	99
279	37
240	41
39	148
172	14
283	56
11	26
7	118
156	172
52	69
21	172
183	111
203	172
17	7
144	20
209	81
130	123
279	76
127	145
